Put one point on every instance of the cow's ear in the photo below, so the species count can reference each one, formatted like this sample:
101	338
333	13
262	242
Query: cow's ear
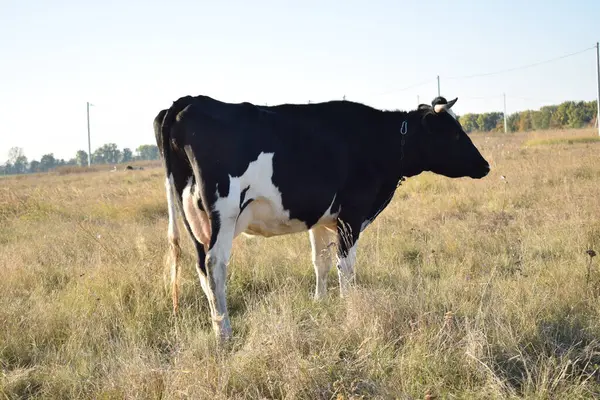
439	107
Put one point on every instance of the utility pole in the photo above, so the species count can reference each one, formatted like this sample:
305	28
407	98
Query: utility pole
418	100
89	136
598	98
89	140
438	79
505	124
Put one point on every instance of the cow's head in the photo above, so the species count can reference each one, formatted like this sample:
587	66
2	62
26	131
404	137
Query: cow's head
446	148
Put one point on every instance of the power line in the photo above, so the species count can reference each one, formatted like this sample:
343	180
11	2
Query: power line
521	67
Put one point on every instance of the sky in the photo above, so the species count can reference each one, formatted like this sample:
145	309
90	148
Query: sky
131	59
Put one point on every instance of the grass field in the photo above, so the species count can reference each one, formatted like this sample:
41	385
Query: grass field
465	289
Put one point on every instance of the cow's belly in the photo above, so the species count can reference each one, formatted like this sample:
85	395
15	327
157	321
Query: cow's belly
263	218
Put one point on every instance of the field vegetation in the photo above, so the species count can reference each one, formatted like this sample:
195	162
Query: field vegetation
469	289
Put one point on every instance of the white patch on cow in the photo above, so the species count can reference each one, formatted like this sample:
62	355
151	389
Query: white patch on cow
365	224
320	238
328	216
264	215
196	218
215	285
346	270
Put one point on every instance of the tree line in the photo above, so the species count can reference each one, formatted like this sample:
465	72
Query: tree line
569	114
109	153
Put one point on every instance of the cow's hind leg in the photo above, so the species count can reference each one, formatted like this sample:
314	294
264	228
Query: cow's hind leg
173	239
213	278
348	234
321	258
212	264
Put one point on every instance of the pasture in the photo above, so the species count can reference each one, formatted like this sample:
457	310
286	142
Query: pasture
465	289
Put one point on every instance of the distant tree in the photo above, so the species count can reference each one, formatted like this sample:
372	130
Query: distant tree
542	119
20	165
81	158
98	157
469	122
500	124
17	160
494	119
513	122
8	168
14	153
127	155
590	111
525	121
537	119
576	115
560	117
108	153
34	166
47	162
148	152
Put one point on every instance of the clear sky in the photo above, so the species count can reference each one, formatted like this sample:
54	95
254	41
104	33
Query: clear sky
132	58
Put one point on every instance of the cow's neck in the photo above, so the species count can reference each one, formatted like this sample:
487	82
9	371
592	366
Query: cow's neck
407	158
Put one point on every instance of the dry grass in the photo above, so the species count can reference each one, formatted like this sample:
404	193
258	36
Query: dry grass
466	289
563	140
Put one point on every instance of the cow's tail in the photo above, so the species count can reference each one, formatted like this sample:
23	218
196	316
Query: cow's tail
167	124
163	133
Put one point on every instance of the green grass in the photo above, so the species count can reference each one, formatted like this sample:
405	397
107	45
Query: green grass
465	289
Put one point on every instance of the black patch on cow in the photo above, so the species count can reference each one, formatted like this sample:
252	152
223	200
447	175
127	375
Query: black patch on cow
244	204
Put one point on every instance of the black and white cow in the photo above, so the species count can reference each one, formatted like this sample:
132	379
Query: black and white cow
327	168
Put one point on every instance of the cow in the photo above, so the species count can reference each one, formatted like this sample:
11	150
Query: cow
326	168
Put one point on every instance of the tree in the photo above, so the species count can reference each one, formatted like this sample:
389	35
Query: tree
148	152
4	169
127	155
98	157
500	124
576	115
590	111
560	118
14	153
20	165
8	168
513	122
47	162
524	123
108	153
34	166
469	122
17	160
542	119
81	158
